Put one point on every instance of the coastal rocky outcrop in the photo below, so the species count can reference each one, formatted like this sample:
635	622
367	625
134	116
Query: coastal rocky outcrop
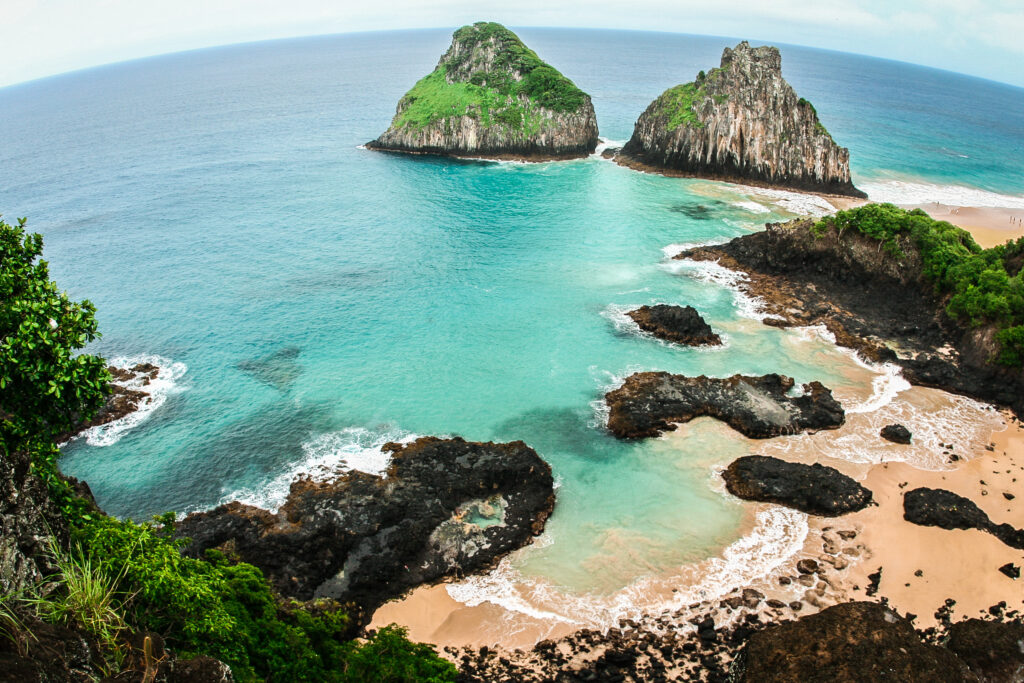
446	508
678	324
896	433
855	641
992	649
740	122
126	396
649	403
879	305
815	489
947	510
491	96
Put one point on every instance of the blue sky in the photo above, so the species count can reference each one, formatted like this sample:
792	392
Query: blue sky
979	37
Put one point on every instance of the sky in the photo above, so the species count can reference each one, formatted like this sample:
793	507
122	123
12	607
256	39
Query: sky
978	37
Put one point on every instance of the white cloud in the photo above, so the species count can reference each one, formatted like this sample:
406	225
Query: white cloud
42	37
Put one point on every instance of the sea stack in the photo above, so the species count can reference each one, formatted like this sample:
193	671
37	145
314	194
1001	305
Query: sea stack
741	122
491	96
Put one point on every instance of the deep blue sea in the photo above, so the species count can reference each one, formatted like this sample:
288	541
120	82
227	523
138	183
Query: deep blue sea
310	300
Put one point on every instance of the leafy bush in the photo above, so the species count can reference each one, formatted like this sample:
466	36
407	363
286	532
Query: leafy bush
44	386
980	287
389	657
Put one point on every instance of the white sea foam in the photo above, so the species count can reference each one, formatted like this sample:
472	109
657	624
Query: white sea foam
672	250
906	192
324	457
777	536
713	272
798	203
604	143
165	384
753	207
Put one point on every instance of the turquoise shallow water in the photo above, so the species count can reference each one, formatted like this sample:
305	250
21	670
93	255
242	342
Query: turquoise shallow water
319	299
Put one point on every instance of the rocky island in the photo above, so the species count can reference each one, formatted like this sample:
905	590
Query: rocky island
741	122
492	96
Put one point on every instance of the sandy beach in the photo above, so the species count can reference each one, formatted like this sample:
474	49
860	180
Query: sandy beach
963	446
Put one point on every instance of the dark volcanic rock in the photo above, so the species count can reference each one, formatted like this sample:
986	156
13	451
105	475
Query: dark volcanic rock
649	403
1011	570
855	641
871	301
126	396
446	507
492	96
992	650
896	433
740	122
679	324
947	510
814	489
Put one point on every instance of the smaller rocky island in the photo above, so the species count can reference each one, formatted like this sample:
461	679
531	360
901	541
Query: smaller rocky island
741	122
815	489
492	96
649	403
677	324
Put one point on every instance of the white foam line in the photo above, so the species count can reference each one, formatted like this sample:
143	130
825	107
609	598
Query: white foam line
324	457
158	389
907	192
778	535
672	250
715	273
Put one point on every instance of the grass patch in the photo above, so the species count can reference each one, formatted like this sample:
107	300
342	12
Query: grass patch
983	286
678	104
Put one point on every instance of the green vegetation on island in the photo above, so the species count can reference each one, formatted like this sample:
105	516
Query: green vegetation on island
983	286
465	83
678	104
117	578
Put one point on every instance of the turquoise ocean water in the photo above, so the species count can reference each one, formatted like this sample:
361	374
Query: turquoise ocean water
310	300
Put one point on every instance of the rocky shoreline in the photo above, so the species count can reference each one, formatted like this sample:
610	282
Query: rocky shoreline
125	397
871	302
444	509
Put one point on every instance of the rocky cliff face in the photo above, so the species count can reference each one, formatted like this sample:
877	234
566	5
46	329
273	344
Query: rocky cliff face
741	122
491	96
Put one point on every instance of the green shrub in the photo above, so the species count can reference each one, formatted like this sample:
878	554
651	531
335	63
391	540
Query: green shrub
977	282
389	657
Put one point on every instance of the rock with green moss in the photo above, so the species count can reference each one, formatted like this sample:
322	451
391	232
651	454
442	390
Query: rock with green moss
740	122
491	96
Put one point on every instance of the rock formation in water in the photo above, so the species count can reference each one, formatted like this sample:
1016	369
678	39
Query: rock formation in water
678	324
649	403
491	96
740	122
446	508
896	433
947	510
814	489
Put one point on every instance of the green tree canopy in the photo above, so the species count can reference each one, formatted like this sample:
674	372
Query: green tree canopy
45	387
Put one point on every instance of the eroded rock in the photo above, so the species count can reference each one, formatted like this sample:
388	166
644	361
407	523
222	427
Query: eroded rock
814	489
947	510
649	403
446	507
